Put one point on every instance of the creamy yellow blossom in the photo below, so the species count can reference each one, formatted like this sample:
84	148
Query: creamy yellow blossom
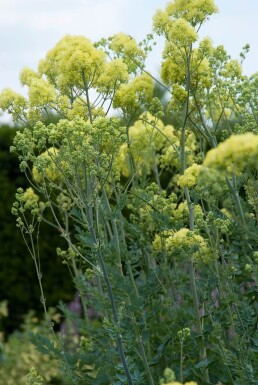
161	22
122	43
190	176
114	73
194	11
130	96
169	375
147	136
74	61
170	154
185	241
159	241
232	69
182	33
173	71
41	92
27	75
45	166
30	198
179	93
201	72
78	109
33	378
235	153
182	214
13	103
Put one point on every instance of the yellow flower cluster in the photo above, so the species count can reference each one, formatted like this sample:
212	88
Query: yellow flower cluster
33	378
182	214
147	136
179	93
169	376
45	166
251	189
122	43
201	71
72	61
190	176
182	33
174	68
132	95
185	241
30	198
114	73
78	108
161	22
41	92
234	154
159	242
27	75
164	205
177	30
13	103
170	157
232	69
179	22
64	202
194	11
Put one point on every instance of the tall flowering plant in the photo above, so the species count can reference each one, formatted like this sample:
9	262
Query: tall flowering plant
159	220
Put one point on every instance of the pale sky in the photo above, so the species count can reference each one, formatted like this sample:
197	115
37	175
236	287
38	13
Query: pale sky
29	28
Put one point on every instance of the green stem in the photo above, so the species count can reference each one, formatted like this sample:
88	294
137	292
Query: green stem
87	96
111	298
115	231
203	354
144	358
181	362
76	273
238	202
190	205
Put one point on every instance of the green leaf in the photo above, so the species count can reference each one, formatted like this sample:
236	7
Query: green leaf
43	344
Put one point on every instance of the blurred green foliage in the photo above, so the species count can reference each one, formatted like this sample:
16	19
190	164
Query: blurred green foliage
18	281
18	355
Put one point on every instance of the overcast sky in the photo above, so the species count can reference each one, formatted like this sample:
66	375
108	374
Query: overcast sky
29	28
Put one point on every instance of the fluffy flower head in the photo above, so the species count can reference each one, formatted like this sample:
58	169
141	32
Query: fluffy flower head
131	95
183	241
237	152
194	11
73	61
27	75
190	176
41	92
45	166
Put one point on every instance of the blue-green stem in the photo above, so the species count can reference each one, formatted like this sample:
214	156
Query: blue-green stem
203	354
111	296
